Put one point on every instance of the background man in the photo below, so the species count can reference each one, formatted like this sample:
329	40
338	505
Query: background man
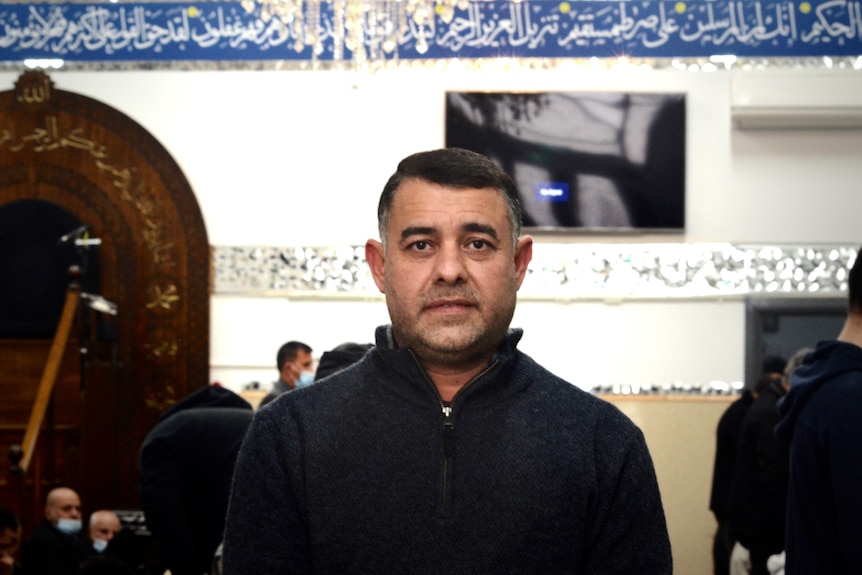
820	419
10	541
295	369
726	447
187	463
54	547
104	525
445	449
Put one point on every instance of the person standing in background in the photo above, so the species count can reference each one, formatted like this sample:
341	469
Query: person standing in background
726	447
10	542
758	491
187	463
54	547
295	369
104	525
820	419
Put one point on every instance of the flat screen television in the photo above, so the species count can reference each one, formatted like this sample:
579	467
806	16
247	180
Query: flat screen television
611	162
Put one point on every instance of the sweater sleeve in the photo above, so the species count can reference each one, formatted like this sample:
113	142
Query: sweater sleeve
840	450
163	502
266	531
629	532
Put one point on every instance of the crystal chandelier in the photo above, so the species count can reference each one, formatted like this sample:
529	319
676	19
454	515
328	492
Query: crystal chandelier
369	30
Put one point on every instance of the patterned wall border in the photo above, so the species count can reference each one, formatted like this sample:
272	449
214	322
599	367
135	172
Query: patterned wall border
561	272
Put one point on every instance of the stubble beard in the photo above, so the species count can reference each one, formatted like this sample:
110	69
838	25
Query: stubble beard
455	343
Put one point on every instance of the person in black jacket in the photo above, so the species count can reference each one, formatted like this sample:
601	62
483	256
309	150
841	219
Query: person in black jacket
726	447
758	489
821	421
10	542
446	449
757	504
187	463
54	547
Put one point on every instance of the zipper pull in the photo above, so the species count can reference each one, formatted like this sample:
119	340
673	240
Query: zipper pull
448	432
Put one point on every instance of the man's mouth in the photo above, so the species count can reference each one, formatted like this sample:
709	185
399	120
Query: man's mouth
448	304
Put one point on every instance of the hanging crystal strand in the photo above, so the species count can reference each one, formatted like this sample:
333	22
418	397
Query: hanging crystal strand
300	23
355	24
249	6
422	14
390	32
371	31
265	12
317	20
446	10
338	34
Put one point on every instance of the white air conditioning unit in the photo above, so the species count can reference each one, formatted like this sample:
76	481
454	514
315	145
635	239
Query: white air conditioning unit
796	100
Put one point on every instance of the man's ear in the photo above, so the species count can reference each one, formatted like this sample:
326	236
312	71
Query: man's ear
376	260
523	256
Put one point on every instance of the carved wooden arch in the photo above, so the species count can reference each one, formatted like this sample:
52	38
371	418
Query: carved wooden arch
154	260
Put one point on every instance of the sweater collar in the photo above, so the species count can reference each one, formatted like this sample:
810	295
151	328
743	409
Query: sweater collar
402	360
385	339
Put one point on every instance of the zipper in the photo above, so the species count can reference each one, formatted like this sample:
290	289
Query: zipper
449	425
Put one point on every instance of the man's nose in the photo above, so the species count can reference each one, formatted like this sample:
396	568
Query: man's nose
450	264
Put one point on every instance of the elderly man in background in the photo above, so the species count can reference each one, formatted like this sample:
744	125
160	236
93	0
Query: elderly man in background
54	547
104	525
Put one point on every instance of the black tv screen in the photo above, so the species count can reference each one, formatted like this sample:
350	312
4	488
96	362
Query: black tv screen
582	161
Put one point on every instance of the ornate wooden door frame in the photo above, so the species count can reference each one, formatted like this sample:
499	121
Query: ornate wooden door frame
112	174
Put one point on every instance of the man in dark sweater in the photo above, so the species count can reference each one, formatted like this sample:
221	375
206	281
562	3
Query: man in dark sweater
820	419
445	450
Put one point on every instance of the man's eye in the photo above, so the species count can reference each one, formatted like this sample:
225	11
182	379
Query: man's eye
478	244
420	245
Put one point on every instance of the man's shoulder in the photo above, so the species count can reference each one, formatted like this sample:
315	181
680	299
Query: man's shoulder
43	537
558	393
835	398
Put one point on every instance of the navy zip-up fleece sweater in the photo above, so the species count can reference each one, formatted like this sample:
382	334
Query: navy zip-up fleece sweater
368	471
821	420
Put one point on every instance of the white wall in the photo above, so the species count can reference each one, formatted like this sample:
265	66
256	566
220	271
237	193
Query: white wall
299	157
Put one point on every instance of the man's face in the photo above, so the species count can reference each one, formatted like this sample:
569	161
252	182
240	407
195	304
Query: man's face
292	369
104	526
64	504
10	539
449	271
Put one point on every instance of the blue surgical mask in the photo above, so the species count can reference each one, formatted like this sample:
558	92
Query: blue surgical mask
306	378
100	545
69	526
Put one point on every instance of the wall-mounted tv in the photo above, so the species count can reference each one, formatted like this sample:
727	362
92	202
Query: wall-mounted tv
608	162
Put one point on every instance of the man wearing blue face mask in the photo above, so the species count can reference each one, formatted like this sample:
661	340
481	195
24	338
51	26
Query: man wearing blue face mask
54	547
295	369
104	524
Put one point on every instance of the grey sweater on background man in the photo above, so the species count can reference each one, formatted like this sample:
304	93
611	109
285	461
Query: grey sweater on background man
365	473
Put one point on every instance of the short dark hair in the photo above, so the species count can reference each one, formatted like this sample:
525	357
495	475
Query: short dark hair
854	285
456	168
8	520
289	351
774	364
340	357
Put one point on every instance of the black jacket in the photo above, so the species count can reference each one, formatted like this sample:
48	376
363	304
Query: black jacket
726	446
758	493
48	551
822	418
187	463
369	471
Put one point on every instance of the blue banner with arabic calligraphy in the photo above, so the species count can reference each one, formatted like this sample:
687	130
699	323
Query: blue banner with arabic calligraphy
209	31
